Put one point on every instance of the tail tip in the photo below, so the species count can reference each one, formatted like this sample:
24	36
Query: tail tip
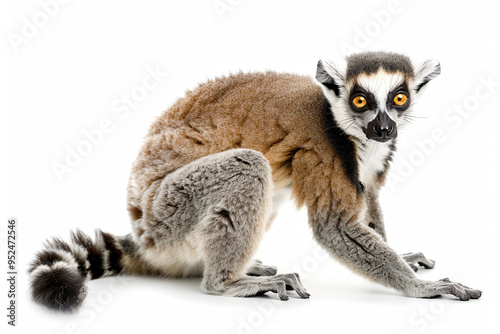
58	287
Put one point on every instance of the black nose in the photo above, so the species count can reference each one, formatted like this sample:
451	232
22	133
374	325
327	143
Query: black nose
383	131
382	128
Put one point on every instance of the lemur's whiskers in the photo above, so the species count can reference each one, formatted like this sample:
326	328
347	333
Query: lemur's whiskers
346	121
350	125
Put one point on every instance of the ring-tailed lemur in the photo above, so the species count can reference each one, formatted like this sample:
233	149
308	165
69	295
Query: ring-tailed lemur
200	195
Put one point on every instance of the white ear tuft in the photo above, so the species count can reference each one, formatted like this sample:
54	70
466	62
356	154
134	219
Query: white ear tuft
425	72
330	76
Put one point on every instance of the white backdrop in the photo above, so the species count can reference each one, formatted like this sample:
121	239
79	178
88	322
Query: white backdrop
73	67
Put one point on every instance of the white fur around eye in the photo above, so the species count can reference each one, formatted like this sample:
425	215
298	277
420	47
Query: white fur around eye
380	84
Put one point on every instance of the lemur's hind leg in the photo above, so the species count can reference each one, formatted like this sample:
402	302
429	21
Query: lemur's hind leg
415	259
219	206
233	228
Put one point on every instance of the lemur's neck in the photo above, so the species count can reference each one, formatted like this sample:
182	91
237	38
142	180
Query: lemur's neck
373	159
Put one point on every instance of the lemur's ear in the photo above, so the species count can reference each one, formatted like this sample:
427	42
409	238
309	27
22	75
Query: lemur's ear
425	72
329	76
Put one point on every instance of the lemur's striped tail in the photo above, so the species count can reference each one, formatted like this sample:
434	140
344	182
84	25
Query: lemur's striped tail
60	271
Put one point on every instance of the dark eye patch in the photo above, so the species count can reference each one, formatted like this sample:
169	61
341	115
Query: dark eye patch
371	101
403	88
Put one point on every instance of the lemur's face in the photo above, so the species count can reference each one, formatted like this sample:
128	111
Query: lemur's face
377	104
373	95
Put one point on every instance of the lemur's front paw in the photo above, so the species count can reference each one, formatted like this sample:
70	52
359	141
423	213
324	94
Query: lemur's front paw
461	291
446	287
415	259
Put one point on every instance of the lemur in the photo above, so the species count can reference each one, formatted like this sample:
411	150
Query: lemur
202	190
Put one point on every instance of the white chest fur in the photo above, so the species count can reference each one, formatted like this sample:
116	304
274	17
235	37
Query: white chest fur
372	157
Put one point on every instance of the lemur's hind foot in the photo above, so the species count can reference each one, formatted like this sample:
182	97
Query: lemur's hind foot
415	260
257	286
259	269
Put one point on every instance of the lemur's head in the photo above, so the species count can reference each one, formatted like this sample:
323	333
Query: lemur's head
373	93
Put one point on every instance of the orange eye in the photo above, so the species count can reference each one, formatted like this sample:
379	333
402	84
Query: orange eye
359	102
400	99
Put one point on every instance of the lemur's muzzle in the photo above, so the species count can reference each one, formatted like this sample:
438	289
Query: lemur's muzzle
382	128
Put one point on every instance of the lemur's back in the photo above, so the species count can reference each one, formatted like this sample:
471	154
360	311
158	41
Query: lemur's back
274	113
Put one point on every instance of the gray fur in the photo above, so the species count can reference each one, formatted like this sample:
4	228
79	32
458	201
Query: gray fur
416	259
370	62
374	217
225	200
363	250
259	269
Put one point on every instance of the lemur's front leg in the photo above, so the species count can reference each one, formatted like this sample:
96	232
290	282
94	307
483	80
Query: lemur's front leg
375	220
359	247
373	217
